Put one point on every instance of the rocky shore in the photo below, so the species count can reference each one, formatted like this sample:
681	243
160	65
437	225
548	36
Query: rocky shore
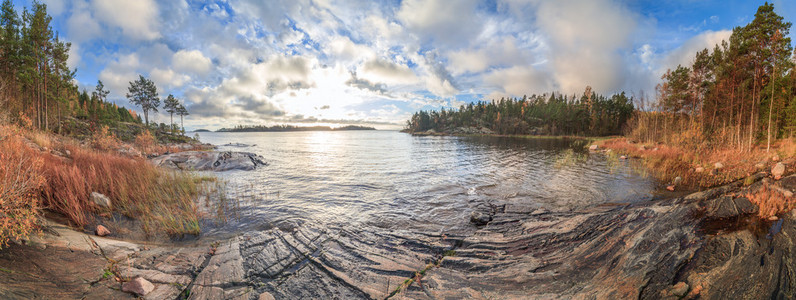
709	245
210	161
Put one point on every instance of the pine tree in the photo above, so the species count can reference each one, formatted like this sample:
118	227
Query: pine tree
171	105
144	93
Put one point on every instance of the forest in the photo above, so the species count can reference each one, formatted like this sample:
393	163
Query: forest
555	114
37	87
739	94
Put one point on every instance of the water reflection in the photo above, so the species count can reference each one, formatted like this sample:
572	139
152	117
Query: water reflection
392	180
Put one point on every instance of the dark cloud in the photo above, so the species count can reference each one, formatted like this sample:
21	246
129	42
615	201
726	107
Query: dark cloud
365	84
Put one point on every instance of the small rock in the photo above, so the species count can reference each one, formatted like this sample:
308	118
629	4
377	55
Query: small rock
102	231
775	158
100	200
778	170
678	180
623	157
593	148
480	218
760	166
265	296
671	188
680	289
773	218
139	286
68	153
718	165
699	169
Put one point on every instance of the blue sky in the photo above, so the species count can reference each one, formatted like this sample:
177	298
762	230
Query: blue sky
345	62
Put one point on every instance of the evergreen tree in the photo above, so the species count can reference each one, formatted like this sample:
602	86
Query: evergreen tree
171	105
144	93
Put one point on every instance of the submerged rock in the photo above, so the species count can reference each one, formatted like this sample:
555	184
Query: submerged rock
210	161
480	218
138	286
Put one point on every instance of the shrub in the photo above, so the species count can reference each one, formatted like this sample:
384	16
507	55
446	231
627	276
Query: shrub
103	139
20	183
145	141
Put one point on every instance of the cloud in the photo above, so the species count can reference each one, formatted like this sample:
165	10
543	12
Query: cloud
364	84
192	61
137	19
382	70
446	22
517	81
168	78
684	55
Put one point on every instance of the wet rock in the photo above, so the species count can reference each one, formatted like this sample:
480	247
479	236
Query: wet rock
593	148
138	286
210	161
680	289
101	200
102	231
480	218
744	206
699	169
778	170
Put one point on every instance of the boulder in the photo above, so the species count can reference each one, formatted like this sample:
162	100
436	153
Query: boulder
593	148
101	200
680	289
778	170
102	231
266	296
138	286
480	218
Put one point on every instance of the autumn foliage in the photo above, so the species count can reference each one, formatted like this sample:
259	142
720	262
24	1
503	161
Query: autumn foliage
20	183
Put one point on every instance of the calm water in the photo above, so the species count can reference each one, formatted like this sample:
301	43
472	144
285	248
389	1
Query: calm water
391	180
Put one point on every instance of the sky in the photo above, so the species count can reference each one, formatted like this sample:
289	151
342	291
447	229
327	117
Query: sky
252	62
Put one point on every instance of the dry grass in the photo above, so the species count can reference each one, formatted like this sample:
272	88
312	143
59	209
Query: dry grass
772	201
103	139
162	200
20	184
666	162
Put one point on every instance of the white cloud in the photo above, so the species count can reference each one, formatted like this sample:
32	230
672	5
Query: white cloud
684	55
446	22
168	78
137	19
192	61
381	70
517	81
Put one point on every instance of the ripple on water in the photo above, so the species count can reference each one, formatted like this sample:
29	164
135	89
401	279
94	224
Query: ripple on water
392	180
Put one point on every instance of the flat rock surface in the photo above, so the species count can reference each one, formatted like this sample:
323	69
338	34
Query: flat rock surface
210	161
707	245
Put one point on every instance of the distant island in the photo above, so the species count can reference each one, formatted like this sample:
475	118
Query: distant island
279	128
201	130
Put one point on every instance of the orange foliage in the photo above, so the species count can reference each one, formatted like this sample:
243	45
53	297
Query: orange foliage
772	201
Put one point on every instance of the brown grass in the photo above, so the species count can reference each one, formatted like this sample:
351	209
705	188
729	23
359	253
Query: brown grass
772	201
666	162
161	199
20	183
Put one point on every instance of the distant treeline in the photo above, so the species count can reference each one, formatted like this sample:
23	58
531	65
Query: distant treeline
262	128
554	114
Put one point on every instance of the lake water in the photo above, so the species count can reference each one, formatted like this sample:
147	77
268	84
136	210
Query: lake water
394	181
